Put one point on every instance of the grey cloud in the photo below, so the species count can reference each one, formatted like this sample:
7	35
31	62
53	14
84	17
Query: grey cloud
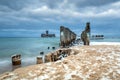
89	3
24	10
20	4
13	4
51	3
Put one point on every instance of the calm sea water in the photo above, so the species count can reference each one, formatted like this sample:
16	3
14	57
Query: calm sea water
29	48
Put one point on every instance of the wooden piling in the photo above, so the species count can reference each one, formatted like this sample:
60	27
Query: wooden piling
16	59
39	60
48	58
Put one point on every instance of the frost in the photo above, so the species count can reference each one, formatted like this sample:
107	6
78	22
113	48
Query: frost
105	78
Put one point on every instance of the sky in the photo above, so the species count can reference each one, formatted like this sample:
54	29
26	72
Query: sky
30	18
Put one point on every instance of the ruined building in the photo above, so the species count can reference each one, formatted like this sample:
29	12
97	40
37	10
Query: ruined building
67	37
47	34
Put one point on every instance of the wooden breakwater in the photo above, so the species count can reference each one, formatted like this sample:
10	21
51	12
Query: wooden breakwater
57	55
67	37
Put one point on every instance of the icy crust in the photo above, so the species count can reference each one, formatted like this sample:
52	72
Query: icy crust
84	63
104	43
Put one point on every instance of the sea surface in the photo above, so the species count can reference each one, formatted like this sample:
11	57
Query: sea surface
29	48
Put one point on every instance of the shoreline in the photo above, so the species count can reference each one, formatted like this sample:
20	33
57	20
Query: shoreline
81	53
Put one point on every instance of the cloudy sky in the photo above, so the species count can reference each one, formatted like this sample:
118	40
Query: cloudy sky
30	18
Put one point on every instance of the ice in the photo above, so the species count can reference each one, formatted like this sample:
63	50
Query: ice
118	71
43	77
65	67
30	74
68	76
105	43
105	78
23	79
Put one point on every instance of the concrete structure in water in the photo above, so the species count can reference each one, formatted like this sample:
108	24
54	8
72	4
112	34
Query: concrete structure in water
66	36
16	59
47	34
97	37
85	35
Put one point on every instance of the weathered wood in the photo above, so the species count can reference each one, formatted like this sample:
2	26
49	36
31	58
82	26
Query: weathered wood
16	59
48	58
39	60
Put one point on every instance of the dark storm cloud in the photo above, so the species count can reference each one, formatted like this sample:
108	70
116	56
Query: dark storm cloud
19	4
17	15
51	10
13	4
88	3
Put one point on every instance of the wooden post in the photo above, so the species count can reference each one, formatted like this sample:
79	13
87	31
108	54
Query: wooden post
39	60
48	58
16	59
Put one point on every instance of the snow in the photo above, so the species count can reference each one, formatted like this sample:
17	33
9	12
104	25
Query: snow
31	74
91	63
105	43
105	78
43	77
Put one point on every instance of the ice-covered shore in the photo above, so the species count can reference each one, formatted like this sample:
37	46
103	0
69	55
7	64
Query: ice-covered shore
105	43
96	62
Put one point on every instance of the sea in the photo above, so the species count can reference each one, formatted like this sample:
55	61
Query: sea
30	48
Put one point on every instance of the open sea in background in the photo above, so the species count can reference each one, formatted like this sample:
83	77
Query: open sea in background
29	48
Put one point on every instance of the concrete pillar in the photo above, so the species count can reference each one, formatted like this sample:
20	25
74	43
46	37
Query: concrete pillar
66	36
62	36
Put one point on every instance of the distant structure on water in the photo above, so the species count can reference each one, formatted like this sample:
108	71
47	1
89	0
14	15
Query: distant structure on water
47	34
97	37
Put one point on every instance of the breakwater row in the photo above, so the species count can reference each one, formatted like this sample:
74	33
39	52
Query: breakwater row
57	55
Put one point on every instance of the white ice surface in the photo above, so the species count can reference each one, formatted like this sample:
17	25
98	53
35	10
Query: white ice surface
104	43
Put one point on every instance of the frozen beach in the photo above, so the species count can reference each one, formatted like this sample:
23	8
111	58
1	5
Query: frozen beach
95	62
